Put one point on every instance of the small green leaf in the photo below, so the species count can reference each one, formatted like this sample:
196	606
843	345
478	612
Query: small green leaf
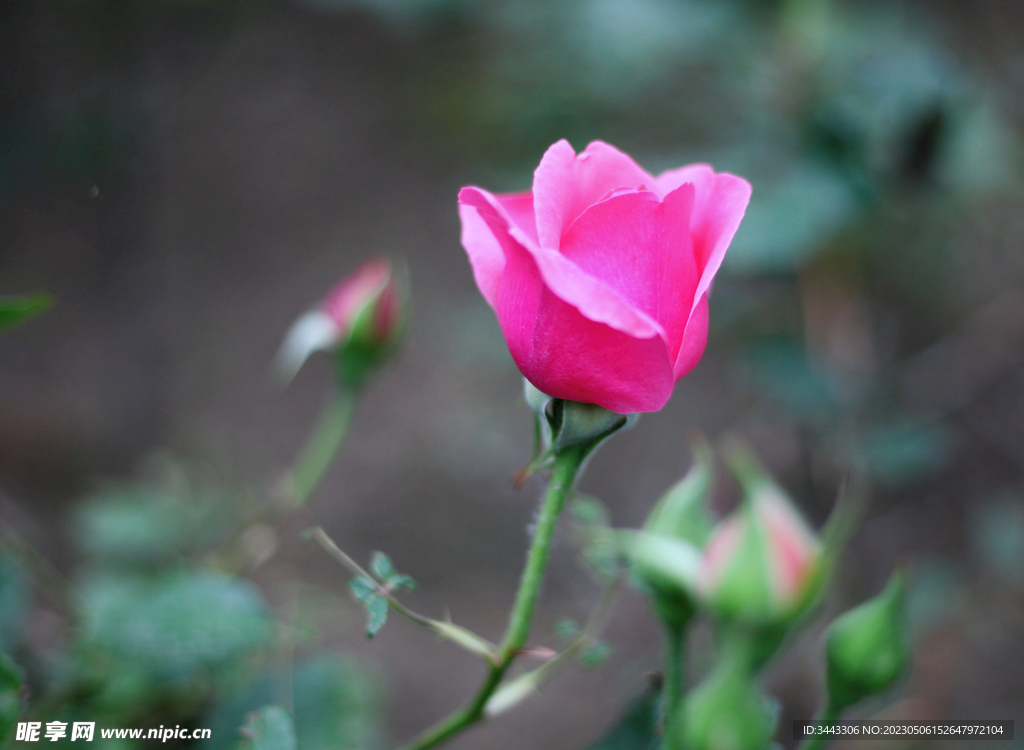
363	588
566	627
270	728
15	310
400	581
596	654
377	609
381	566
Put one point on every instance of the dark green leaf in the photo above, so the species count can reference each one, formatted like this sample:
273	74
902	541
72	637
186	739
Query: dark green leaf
15	310
381	566
638	727
377	609
270	728
11	681
362	588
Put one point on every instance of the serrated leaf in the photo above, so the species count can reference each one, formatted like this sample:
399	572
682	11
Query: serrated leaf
15	310
596	654
377	609
401	581
381	566
270	728
362	588
638	727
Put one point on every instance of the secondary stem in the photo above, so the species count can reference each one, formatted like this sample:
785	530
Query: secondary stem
319	452
567	465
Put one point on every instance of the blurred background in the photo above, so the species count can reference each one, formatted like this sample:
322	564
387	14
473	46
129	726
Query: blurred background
187	177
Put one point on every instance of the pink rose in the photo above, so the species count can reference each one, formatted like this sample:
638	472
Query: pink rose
600	274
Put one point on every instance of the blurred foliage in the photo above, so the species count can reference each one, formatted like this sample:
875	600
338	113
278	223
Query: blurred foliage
163	632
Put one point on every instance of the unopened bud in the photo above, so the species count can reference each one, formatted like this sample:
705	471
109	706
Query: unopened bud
867	647
682	511
360	319
762	564
727	711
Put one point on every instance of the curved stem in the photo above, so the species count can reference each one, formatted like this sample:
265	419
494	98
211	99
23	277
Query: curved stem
567	465
322	447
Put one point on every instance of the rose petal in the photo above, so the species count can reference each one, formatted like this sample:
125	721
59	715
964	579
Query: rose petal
640	247
520	209
719	204
484	251
564	184
592	297
694	339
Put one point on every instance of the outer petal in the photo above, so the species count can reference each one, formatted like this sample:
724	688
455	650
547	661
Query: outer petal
640	247
484	251
564	184
520	209
592	297
719	205
694	339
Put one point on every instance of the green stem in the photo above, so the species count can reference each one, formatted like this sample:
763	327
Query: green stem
322	447
567	465
819	740
675	668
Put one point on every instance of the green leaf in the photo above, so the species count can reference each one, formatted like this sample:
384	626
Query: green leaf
638	727
270	728
381	566
15	310
377	609
11	681
596	654
401	581
566	628
178	628
362	588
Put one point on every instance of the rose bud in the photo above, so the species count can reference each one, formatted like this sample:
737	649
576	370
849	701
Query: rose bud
360	319
727	710
600	274
666	556
762	564
867	647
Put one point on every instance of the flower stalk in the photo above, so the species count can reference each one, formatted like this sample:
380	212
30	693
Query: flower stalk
566	468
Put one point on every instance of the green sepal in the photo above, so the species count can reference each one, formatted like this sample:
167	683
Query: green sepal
575	424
